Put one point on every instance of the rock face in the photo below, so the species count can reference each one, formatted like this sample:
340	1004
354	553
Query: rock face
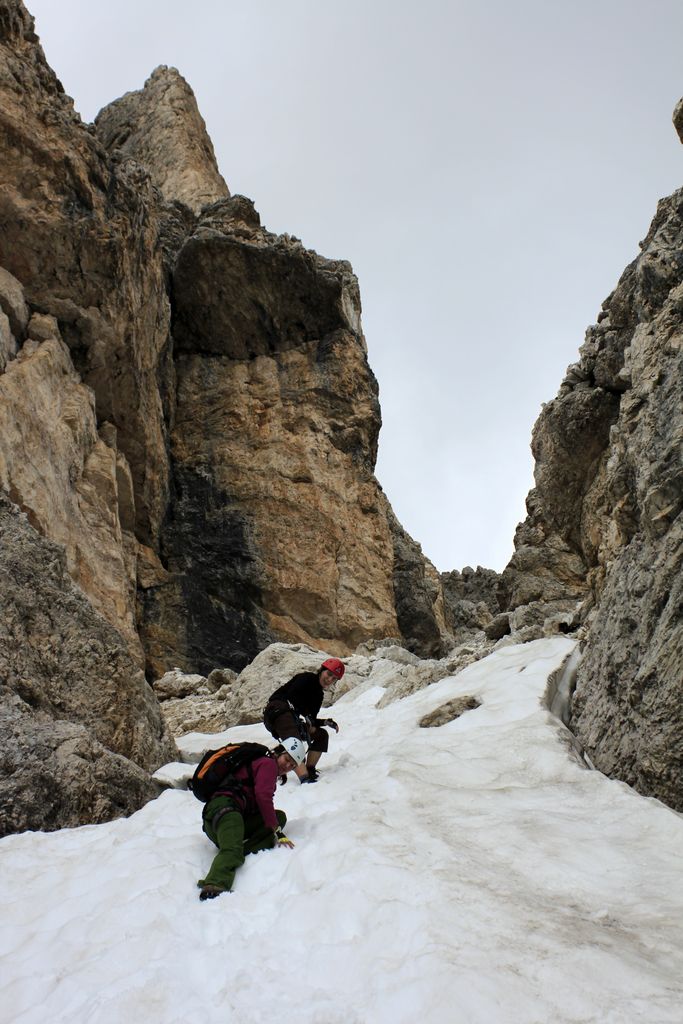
472	601
80	728
69	477
220	465
208	477
83	445
277	528
421	614
68	214
161	127
603	542
13	317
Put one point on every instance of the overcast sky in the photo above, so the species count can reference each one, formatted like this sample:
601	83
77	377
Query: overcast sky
487	166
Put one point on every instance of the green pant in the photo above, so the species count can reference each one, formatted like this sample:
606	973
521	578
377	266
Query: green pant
235	837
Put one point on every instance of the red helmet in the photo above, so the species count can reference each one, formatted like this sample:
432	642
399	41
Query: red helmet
335	666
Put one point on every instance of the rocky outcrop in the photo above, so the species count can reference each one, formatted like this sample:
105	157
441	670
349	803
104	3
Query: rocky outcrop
277	527
13	317
448	712
628	708
80	729
269	523
240	701
603	542
194	703
418	595
161	127
678	119
68	476
80	231
472	602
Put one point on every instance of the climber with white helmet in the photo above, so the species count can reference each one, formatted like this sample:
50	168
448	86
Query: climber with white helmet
292	710
240	816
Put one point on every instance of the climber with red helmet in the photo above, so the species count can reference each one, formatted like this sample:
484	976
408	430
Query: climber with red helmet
301	698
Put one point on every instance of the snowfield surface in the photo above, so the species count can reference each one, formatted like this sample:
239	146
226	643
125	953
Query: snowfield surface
474	873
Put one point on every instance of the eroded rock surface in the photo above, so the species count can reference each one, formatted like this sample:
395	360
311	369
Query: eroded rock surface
266	355
209	480
277	526
161	127
80	729
628	708
80	232
603	542
472	602
69	477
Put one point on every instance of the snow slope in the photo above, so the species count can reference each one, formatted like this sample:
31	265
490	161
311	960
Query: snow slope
474	873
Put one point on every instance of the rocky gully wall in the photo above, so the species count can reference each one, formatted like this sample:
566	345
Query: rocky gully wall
603	542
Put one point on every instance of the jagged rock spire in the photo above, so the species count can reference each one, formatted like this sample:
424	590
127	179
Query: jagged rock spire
161	127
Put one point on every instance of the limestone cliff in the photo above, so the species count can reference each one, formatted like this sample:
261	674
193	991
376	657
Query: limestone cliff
80	232
84	316
220	464
207	474
603	542
79	242
276	527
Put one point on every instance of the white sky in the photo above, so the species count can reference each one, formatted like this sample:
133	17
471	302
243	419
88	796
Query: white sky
468	874
487	167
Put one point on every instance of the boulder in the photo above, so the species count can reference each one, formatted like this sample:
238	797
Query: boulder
176	684
448	712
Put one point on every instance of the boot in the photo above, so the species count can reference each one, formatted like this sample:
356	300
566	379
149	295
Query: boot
209	892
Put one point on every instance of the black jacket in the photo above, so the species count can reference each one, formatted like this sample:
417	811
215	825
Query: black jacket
304	693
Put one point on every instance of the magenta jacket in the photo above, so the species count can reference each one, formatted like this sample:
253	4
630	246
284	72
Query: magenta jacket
260	798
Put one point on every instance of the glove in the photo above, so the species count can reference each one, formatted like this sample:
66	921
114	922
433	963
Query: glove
282	840
332	724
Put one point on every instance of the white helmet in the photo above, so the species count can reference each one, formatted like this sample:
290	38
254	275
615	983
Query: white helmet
295	748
